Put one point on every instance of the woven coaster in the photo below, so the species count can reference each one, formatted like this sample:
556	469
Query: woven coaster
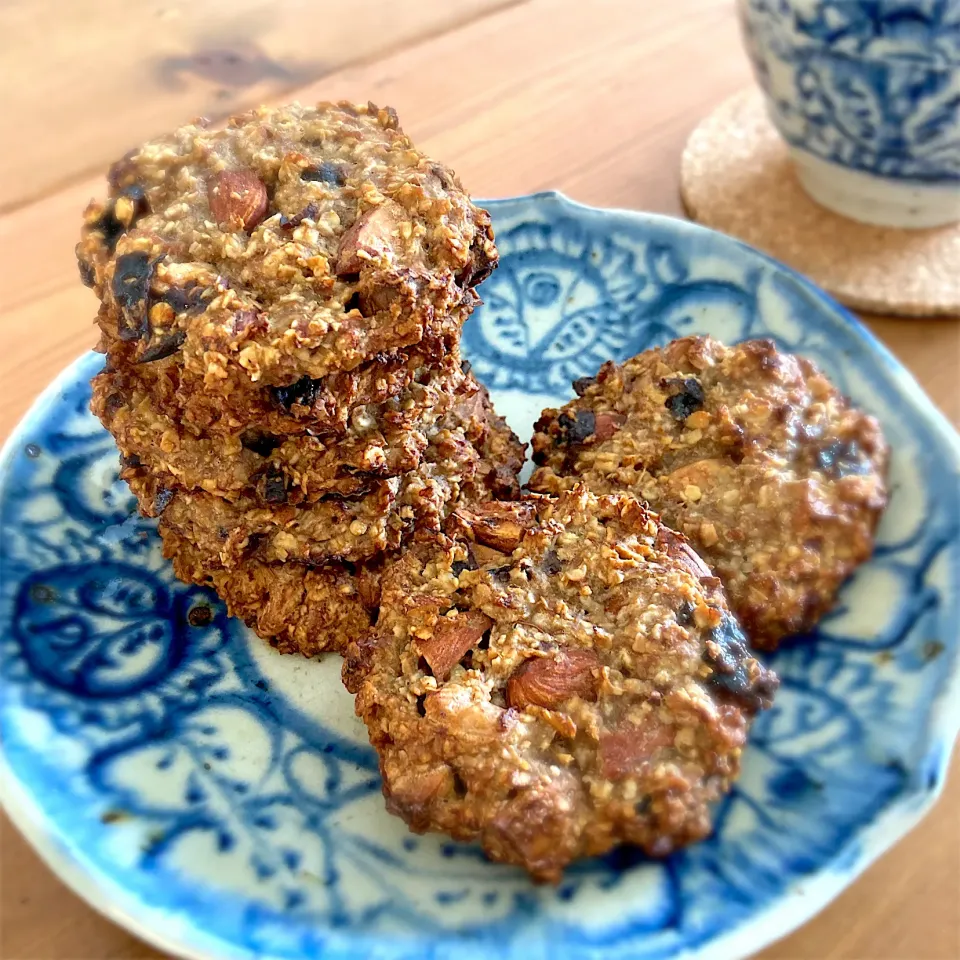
736	176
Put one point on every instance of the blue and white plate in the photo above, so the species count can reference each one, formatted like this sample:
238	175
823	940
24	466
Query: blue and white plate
221	800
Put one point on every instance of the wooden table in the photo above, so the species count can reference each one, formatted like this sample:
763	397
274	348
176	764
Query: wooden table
518	95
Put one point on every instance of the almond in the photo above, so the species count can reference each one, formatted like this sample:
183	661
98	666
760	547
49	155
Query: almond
676	546
548	682
624	751
498	525
452	638
238	199
372	233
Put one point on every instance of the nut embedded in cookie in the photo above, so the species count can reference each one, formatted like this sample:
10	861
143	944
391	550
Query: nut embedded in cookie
753	454
558	692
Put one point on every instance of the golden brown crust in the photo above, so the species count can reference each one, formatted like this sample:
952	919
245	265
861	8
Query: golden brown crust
554	678
296	242
383	440
753	454
298	609
472	457
399	380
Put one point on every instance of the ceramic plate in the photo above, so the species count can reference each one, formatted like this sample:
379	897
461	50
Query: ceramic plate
221	800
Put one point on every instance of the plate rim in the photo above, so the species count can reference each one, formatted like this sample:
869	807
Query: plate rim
793	908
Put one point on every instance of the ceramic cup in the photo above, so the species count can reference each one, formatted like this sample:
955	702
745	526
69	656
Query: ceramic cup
867	95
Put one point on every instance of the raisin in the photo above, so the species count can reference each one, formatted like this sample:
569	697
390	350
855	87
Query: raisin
113	405
131	289
576	429
164	346
261	444
686	396
303	393
459	566
185	299
581	386
110	226
843	458
501	574
325	172
88	275
685	613
732	676
550	564
309	212
274	486
135	194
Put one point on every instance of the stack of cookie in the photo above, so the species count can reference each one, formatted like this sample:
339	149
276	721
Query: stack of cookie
281	304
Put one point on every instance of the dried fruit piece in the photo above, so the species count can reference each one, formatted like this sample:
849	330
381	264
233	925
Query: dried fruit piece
326	172
303	393
132	277
576	429
187	300
843	458
371	233
583	384
309	212
452	638
237	196
548	682
163	346
685	396
739	675
274	486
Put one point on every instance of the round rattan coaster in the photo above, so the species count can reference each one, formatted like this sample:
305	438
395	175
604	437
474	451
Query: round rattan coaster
736	176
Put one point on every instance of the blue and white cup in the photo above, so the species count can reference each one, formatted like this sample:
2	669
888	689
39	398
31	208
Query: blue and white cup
867	95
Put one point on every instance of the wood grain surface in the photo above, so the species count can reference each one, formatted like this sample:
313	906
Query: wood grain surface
593	99
96	77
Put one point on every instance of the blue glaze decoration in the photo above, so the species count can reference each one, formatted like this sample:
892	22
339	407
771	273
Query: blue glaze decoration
222	801
873	85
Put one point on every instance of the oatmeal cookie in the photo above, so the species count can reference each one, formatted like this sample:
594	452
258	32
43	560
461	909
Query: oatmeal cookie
403	380
382	440
310	609
298	609
472	456
753	454
554	678
295	242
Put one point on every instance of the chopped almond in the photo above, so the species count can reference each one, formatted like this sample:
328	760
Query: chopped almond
372	232
626	750
452	638
547	682
498	525
677	547
607	424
